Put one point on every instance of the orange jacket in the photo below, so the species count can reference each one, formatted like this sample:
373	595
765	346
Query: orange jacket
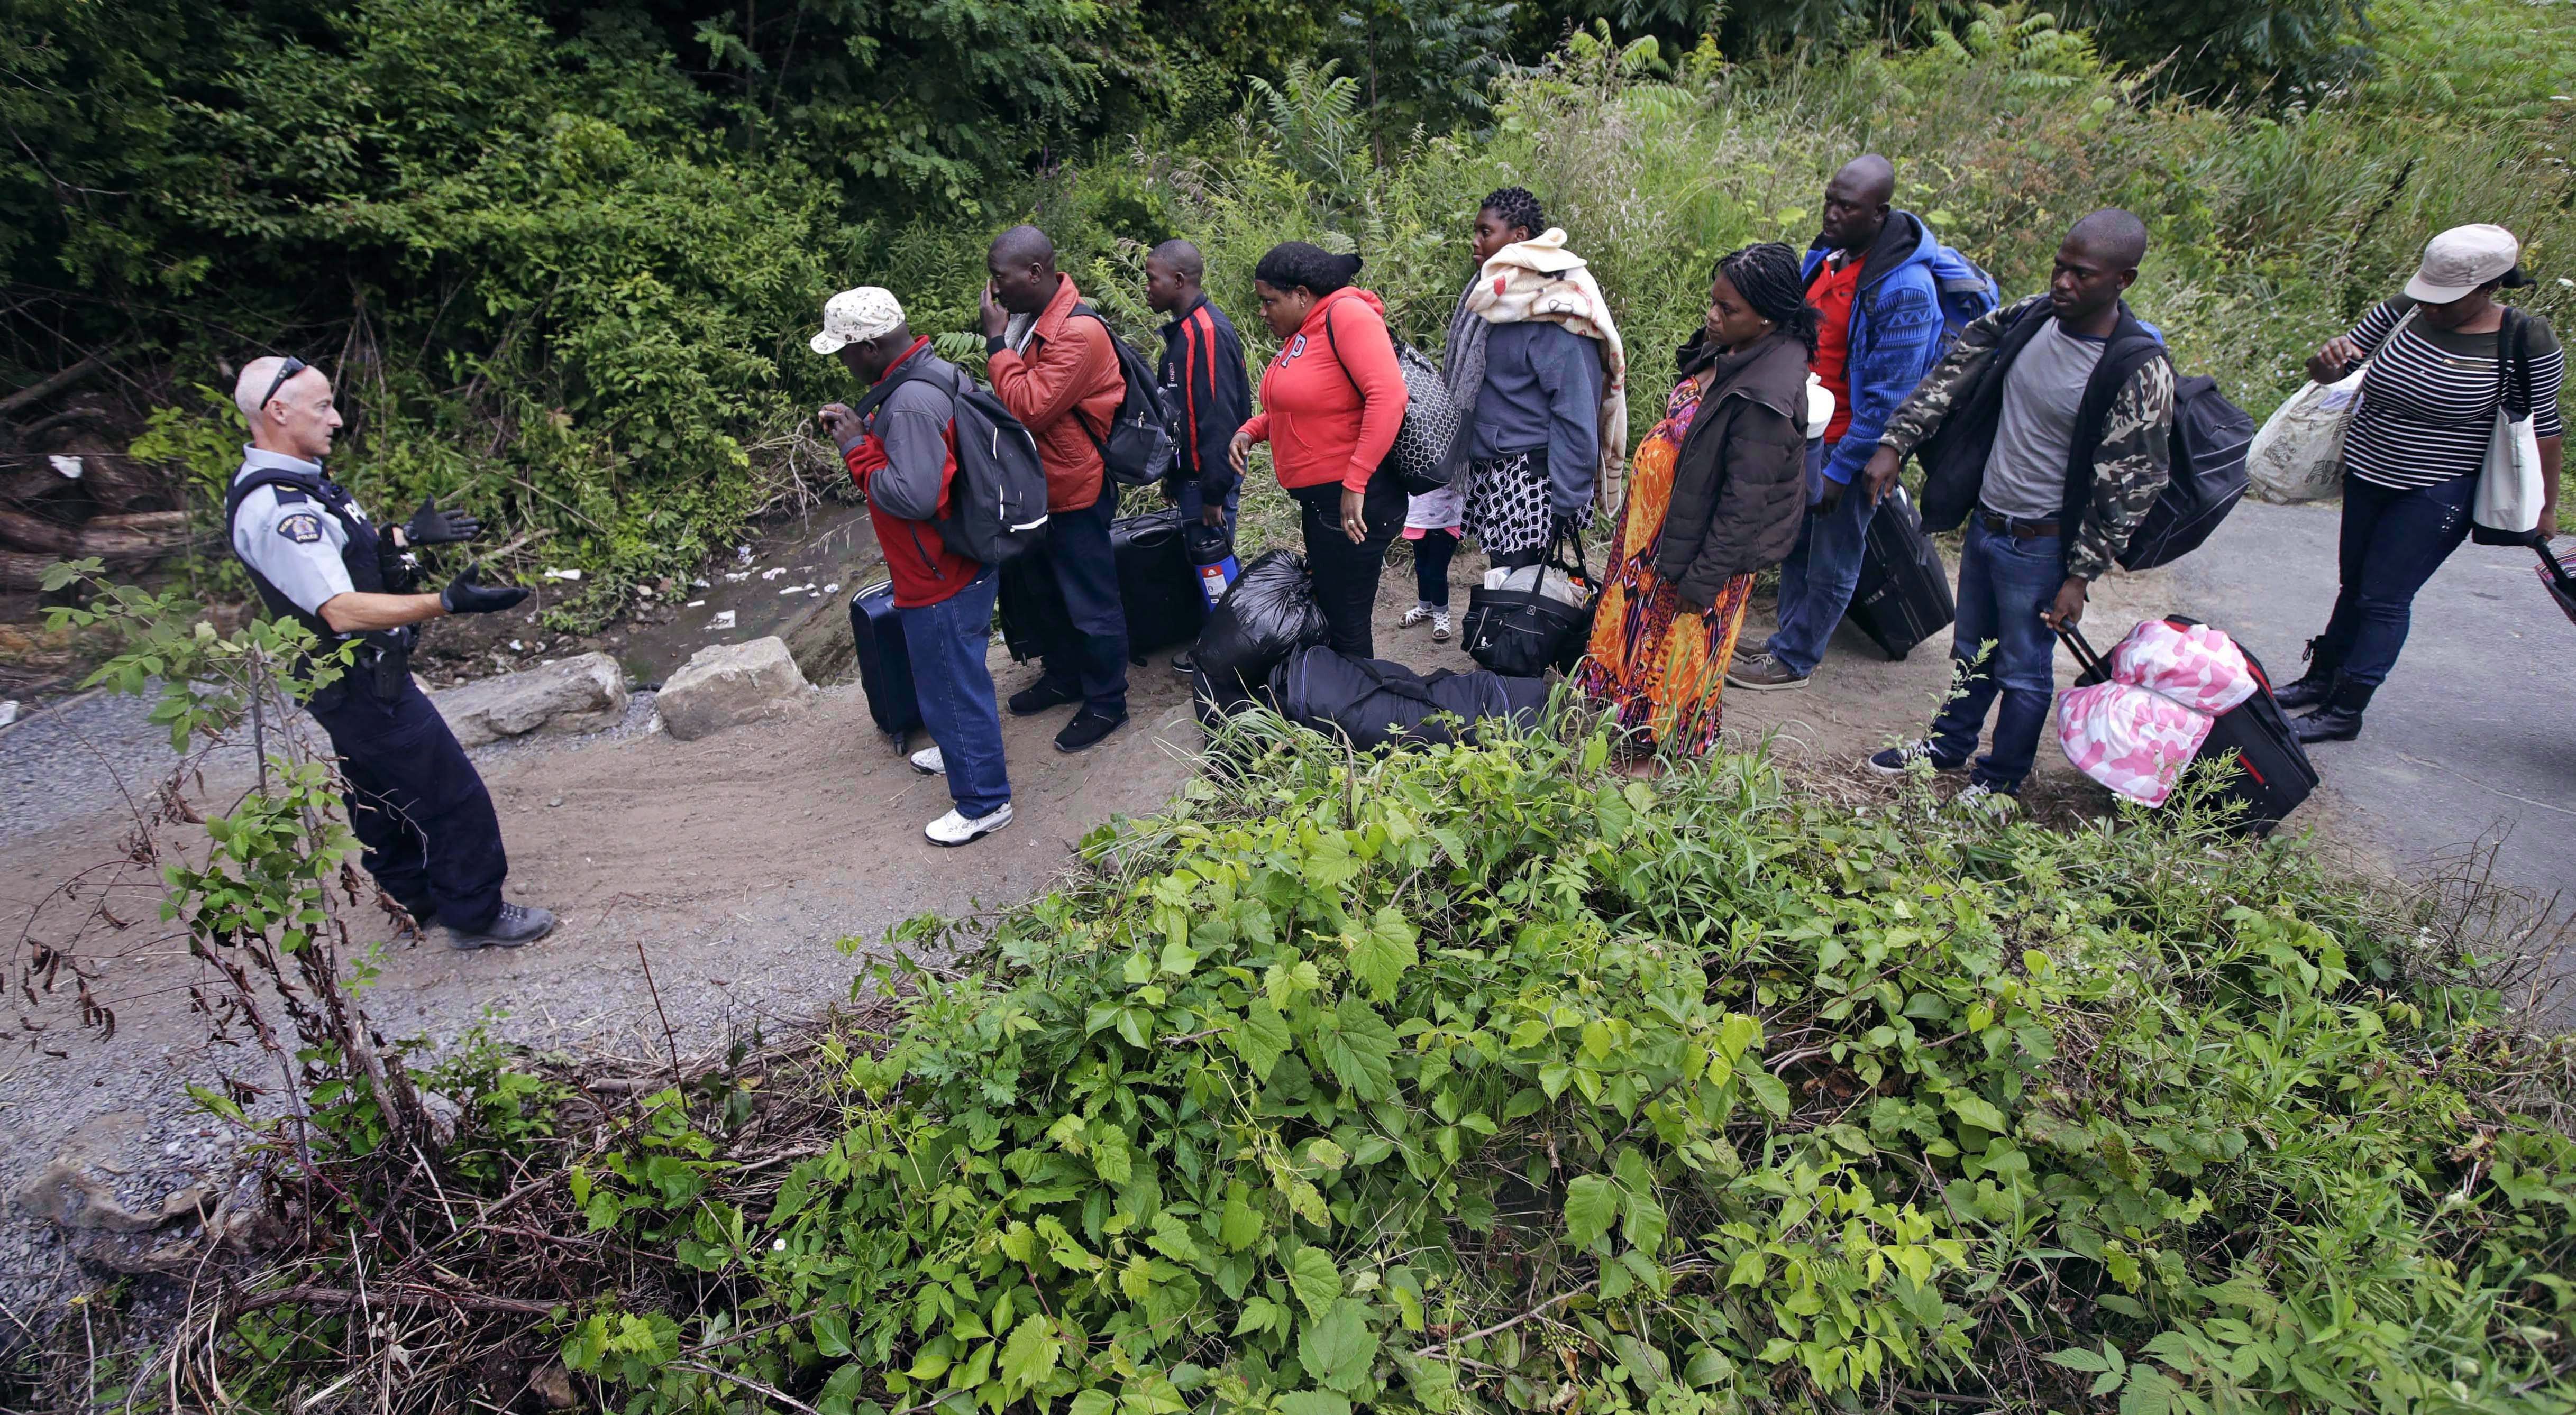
1332	418
1068	376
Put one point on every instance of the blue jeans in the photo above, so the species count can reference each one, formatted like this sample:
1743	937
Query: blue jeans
1817	579
1089	654
946	644
1192	499
2003	585
2392	543
425	825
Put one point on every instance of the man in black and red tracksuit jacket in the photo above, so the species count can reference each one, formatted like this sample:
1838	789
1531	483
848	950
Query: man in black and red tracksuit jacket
1206	392
1204	385
903	454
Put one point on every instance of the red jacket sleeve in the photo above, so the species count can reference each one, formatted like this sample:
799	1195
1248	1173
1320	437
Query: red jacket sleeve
1257	427
1041	391
1368	352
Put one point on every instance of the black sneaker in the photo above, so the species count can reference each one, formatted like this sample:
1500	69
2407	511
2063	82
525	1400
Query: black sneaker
1041	695
1182	665
1896	761
514	926
1086	730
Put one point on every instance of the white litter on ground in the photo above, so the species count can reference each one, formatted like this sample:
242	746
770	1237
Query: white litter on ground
722	620
563	574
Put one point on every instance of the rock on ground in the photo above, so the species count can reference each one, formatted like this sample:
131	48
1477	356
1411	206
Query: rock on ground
583	694
727	685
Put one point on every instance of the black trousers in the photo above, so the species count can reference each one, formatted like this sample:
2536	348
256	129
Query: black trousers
1346	575
1084	642
416	804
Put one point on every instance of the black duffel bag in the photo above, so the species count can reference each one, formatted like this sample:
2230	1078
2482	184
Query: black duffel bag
1524	633
1372	703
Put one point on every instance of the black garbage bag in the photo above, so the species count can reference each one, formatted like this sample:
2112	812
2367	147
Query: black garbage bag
1372	702
1268	613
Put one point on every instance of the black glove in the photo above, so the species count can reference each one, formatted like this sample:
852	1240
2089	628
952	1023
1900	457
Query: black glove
1561	527
466	594
431	526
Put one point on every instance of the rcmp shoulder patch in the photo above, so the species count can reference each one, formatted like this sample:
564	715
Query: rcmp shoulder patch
303	528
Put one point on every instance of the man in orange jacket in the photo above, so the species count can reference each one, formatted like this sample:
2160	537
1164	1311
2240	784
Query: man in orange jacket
1058	374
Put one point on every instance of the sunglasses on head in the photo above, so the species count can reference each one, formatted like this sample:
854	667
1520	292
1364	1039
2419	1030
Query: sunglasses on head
285	371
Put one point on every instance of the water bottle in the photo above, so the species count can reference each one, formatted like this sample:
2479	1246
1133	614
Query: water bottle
1212	555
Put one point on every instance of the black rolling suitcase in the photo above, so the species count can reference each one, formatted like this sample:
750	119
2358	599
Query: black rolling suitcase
2273	774
885	665
1903	595
1030	608
1157	584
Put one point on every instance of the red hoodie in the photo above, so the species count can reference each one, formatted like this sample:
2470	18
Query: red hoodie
1330	405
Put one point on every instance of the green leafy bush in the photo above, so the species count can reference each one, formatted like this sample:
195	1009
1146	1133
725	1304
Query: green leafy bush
1478	1078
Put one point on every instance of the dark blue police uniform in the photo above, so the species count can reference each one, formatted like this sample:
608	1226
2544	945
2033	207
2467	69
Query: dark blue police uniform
416	803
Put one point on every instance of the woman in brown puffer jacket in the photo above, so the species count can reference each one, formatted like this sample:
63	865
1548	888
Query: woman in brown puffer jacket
1715	493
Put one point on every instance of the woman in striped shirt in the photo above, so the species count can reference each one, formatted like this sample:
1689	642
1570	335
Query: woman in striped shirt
2412	453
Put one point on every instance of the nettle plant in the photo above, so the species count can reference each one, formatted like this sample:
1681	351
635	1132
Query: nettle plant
1473	1078
256	904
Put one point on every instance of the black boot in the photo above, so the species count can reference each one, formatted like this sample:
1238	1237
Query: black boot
2316	683
2339	720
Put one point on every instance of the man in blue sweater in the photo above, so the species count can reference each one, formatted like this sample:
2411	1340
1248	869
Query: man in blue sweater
1870	274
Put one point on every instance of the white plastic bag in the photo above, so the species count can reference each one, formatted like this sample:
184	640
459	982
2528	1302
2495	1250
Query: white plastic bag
2298	456
1545	579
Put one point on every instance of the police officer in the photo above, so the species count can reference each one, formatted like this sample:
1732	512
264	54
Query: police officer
415	801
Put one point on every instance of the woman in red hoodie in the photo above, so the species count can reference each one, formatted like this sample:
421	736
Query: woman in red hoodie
1330	406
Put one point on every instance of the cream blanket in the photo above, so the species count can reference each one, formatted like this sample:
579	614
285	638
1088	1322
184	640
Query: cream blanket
1541	279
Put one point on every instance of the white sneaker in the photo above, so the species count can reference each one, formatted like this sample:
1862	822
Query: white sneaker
1416	615
928	762
955	829
1440	626
1983	800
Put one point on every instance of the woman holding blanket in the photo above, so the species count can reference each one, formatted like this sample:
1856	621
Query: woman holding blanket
1535	361
1330	407
1716	495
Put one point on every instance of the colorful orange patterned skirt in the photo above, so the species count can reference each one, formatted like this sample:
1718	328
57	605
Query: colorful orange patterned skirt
1655	668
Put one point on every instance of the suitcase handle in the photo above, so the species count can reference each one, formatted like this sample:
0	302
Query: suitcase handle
2551	566
2085	658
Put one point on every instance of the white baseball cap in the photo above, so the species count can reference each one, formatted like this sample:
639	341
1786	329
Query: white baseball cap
856	316
2460	260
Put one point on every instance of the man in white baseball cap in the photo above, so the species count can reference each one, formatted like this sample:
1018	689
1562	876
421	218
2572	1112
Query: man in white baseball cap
859	316
896	444
2460	260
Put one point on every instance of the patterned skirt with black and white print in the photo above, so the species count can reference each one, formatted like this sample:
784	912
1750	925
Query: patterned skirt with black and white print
1507	505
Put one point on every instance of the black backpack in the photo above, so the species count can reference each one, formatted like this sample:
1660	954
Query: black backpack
997	503
2207	459
1138	449
2210	435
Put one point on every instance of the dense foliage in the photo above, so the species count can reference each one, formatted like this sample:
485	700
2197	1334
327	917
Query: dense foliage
1477	1079
561	256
